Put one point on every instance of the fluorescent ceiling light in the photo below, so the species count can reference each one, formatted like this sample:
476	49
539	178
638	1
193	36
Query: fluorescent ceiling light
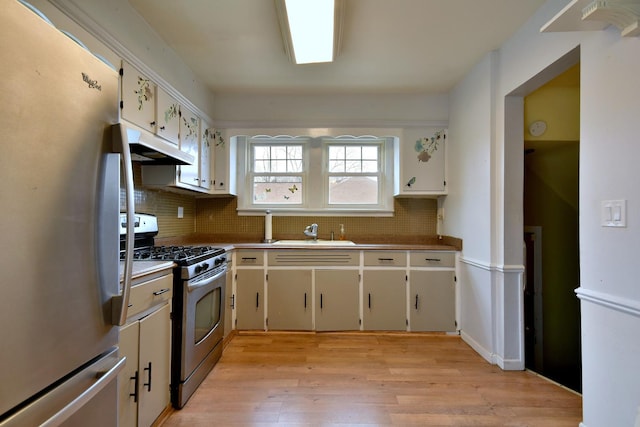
311	29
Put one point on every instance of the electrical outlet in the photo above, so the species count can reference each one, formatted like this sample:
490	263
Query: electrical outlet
180	212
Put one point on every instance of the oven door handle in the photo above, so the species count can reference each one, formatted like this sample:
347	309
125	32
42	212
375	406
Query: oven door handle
206	282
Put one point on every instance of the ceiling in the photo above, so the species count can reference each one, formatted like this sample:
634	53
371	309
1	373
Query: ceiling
399	46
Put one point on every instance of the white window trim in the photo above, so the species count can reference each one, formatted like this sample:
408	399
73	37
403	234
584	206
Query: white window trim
316	177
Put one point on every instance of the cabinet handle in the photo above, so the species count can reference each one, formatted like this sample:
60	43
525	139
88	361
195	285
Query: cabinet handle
416	301
369	300
249	259
257	299
320	301
161	127
161	291
305	300
135	387
148	385
153	123
385	259
433	259
233	301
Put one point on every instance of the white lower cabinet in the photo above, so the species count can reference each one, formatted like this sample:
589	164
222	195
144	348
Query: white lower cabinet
337	299
145	340
432	301
342	291
385	300
249	299
144	382
289	301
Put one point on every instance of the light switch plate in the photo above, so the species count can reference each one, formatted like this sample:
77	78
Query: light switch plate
613	213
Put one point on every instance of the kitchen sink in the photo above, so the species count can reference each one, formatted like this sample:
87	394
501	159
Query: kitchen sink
310	242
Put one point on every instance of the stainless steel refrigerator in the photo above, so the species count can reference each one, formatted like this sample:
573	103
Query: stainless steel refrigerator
59	205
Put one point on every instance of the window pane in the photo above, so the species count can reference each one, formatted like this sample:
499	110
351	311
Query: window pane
294	152
336	166
354	153
370	166
369	153
354	166
279	152
279	166
336	152
353	190
283	190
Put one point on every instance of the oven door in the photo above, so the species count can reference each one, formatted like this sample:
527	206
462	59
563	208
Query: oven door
202	318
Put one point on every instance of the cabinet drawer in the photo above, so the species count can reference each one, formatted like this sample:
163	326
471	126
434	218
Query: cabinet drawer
249	258
385	259
150	293
433	259
314	258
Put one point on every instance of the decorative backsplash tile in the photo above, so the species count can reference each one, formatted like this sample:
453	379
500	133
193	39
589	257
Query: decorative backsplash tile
413	217
163	204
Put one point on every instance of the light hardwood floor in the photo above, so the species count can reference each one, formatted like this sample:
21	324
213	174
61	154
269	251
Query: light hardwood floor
289	379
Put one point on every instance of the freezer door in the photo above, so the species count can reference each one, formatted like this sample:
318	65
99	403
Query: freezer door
59	216
88	397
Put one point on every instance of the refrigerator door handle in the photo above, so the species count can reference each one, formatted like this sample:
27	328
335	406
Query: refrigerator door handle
120	303
57	406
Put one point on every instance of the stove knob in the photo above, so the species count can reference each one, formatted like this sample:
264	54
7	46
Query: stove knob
198	269
205	266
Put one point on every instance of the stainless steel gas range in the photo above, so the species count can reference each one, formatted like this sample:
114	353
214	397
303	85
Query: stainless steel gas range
197	305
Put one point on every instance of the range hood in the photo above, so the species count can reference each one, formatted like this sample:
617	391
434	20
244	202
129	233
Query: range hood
148	148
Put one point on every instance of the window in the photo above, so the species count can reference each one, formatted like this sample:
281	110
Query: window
353	174
277	173
342	175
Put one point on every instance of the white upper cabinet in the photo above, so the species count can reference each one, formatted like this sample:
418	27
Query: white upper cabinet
168	116
420	163
189	143
223	162
207	141
138	98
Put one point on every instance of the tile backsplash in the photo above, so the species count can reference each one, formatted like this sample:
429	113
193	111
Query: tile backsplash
217	217
413	217
163	204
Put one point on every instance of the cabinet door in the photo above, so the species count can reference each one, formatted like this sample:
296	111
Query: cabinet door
207	134
385	300
432	299
337	299
221	161
189	143
250	299
289	300
138	98
231	299
128	401
154	365
167	117
422	161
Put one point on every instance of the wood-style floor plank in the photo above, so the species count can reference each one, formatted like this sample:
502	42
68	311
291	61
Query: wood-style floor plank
334	379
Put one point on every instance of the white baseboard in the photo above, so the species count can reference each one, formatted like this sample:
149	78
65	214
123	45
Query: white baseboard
486	354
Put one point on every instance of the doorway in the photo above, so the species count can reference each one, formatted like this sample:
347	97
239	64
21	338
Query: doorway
550	204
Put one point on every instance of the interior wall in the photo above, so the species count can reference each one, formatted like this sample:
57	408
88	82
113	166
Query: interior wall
610	296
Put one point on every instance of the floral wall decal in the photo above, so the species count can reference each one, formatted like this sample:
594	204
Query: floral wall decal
427	145
171	112
144	91
191	125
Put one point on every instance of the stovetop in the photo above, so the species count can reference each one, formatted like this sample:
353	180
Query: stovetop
181	255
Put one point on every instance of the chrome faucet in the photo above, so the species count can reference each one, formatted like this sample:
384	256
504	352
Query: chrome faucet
311	231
